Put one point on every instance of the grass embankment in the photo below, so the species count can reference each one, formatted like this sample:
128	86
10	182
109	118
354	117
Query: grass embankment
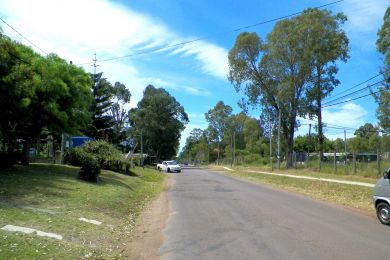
50	198
351	196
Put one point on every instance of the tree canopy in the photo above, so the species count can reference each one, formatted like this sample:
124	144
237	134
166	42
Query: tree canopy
280	73
160	118
383	97
43	92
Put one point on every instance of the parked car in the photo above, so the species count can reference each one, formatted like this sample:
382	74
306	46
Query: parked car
382	198
169	166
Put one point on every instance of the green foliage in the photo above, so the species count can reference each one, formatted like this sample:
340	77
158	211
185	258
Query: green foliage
102	122
89	165
160	118
103	154
108	157
383	42
121	97
279	73
43	92
383	97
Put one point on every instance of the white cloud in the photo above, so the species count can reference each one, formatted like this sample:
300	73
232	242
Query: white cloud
349	115
76	29
364	19
171	85
364	15
213	58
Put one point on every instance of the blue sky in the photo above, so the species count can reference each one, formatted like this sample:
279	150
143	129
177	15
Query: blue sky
194	73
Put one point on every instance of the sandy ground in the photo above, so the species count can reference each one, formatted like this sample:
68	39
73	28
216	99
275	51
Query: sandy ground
148	235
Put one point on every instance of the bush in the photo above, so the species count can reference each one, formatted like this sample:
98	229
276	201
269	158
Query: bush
89	166
7	160
106	155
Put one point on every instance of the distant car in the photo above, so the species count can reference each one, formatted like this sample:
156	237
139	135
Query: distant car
382	198
169	166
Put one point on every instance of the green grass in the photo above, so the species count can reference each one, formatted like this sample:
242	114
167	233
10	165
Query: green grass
306	172
116	201
351	196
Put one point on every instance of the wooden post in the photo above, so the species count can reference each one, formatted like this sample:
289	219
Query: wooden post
334	162
378	159
354	162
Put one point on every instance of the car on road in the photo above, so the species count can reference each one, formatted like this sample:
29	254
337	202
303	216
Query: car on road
169	166
382	198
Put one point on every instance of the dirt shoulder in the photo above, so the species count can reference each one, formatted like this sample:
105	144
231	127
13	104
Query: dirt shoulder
148	235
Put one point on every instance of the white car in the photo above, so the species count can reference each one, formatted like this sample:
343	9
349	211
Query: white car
169	166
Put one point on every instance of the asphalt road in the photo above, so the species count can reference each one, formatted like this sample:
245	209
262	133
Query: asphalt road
217	217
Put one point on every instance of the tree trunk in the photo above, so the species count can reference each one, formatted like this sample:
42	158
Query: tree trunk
320	130
218	155
25	159
319	117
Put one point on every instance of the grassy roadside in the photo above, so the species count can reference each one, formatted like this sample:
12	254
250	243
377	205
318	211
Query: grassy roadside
50	198
351	196
305	172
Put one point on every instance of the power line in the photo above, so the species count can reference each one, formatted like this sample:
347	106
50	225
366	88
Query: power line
23	36
203	38
351	99
355	92
284	17
18	58
332	126
357	85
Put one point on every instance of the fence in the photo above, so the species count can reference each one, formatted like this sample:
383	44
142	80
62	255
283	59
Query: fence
365	164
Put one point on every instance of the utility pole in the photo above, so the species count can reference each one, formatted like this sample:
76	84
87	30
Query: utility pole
94	65
142	151
270	142
231	147
279	122
308	147
345	147
234	147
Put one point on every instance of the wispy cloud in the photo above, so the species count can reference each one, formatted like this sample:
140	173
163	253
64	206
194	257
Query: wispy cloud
196	91
75	29
364	19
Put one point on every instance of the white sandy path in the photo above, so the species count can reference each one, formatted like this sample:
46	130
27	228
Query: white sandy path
357	183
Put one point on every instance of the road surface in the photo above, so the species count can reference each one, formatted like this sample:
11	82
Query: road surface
218	217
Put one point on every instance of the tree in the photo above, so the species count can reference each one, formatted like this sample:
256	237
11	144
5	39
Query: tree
253	134
366	130
278	73
369	135
327	45
118	112
160	118
196	147
219	120
274	74
383	97
42	92
102	122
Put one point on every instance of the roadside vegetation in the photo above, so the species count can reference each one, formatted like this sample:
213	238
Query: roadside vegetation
50	198
351	196
289	77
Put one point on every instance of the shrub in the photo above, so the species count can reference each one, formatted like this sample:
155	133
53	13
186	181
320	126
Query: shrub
7	160
89	166
106	155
